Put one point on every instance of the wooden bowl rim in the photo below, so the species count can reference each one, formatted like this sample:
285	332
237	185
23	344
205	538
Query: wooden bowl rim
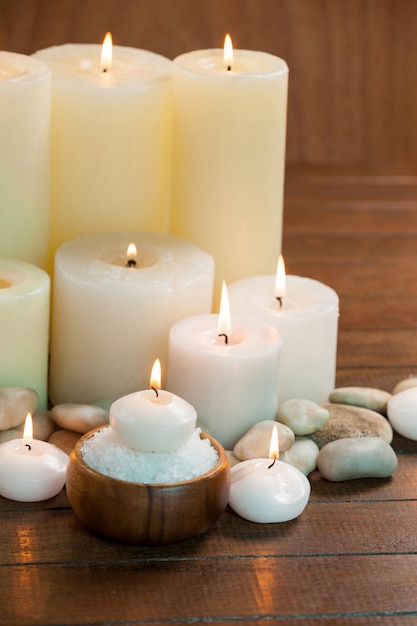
99	475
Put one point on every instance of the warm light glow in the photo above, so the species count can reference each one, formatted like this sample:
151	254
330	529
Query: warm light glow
280	278
131	254
28	429
223	326
4	284
156	375
228	52
273	446
106	53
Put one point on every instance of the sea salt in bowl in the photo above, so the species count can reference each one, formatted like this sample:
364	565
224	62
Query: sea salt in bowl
147	514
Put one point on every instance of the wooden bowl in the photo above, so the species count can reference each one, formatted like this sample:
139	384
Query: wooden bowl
147	514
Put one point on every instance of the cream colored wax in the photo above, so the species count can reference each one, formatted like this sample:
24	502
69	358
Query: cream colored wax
110	321
110	142
228	158
24	327
25	92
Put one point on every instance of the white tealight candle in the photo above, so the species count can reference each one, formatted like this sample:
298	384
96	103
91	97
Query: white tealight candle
266	491
111	313
307	319
25	96
153	420
229	375
31	470
229	127
110	140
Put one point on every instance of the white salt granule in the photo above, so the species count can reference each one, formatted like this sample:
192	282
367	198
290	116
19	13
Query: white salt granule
105	454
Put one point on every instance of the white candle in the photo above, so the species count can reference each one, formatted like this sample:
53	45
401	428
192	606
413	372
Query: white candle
25	93
153	420
31	470
109	321
307	321
110	140
229	131
24	327
232	385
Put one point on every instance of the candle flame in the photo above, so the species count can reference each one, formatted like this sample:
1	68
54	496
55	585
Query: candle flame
106	53
280	278
224	325
131	254
28	429
228	52
156	375
273	446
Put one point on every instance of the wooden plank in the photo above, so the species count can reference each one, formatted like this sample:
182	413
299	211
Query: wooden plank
378	377
380	348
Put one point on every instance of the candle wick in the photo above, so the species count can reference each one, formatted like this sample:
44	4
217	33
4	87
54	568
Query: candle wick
131	263
279	298
156	391
27	445
273	463
229	67
104	69
226	338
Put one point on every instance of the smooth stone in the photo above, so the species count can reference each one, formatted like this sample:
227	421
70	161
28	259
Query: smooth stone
79	417
231	458
407	383
255	443
8	435
352	421
302	416
402	413
366	397
302	455
15	404
64	439
43	425
357	457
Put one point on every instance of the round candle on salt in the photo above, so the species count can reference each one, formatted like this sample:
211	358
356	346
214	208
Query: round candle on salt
110	317
228	370
31	470
229	128
266	491
110	140
307	319
25	94
153	420
24	327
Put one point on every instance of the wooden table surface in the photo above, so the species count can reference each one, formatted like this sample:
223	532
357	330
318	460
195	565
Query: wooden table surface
351	557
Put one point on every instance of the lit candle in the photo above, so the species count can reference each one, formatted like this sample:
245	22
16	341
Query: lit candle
227	370
24	327
25	94
112	313
229	126
110	139
268	490
31	470
305	312
153	420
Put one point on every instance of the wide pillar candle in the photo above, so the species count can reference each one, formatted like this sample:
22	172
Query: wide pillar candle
24	327
229	130
25	94
232	386
110	141
110	321
307	321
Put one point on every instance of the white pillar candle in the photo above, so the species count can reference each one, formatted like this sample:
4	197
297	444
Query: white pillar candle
24	327
307	321
31	470
25	93
153	420
110	140
232	386
109	321
229	131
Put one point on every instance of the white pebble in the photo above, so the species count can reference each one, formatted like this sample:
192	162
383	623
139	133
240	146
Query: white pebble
302	455
302	416
15	404
407	383
80	418
255	443
366	397
402	413
64	439
357	457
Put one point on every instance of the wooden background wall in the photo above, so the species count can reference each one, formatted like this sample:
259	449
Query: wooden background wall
353	63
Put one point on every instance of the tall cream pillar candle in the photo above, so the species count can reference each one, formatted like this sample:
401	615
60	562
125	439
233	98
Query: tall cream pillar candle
24	327
110	321
110	140
229	131
25	93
